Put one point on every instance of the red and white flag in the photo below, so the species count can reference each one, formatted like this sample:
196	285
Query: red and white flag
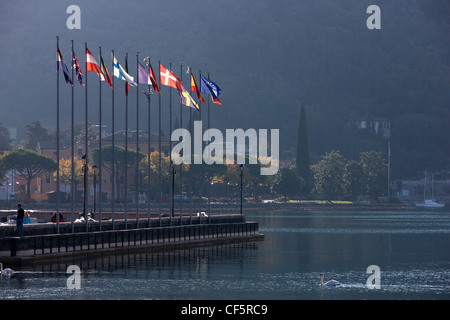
169	79
92	65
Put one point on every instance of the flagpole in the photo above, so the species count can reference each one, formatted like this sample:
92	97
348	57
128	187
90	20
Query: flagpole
86	149
148	149
181	164
190	166
73	147
209	168
113	147
389	169
100	146
126	142
201	164
136	178
160	151
170	144
57	143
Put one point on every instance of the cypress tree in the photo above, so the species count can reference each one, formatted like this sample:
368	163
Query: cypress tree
302	160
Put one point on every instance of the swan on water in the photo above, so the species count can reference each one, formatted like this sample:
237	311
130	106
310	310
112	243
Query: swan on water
7	272
330	283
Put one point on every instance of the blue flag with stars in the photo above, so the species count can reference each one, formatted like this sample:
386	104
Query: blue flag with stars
209	87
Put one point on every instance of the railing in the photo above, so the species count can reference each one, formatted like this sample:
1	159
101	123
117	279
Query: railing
39	245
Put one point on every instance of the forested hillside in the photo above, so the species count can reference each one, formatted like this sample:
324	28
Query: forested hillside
267	56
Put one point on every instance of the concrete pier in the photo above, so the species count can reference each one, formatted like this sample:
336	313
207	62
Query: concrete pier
42	242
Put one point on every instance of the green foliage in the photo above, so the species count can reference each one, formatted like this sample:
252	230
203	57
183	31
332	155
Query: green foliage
288	183
120	165
302	160
334	177
375	173
36	132
328	175
28	163
5	139
353	179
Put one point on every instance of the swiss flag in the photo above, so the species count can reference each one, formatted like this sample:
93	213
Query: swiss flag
169	79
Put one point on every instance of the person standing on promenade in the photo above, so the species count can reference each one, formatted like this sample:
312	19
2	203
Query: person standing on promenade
19	220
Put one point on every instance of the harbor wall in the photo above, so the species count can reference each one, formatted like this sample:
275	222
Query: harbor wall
40	246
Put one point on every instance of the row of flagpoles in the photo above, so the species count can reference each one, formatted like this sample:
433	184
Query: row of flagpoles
144	76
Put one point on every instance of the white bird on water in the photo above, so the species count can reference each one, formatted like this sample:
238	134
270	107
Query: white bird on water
7	272
330	283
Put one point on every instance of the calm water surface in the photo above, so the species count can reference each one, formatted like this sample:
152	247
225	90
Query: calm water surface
412	249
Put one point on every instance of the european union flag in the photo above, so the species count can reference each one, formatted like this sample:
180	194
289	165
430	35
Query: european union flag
209	87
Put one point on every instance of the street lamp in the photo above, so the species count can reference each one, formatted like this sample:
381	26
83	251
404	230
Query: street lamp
8	185
173	192
94	170
85	170
241	174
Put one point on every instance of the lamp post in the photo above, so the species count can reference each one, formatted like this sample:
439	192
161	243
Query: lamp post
8	201
173	193
94	168
85	169
241	174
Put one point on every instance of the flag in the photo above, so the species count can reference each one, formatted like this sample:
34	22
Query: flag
119	72
187	100
169	79
216	101
145	78
92	65
77	68
194	88
60	65
209	87
153	78
105	72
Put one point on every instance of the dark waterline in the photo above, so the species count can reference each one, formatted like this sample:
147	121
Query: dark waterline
410	248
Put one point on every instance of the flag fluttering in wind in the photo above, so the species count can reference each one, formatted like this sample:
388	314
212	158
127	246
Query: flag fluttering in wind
77	68
60	65
153	78
119	72
148	77
187	100
195	88
216	101
143	76
92	65
209	87
105	72
169	79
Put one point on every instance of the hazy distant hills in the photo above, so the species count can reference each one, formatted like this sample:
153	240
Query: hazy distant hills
268	57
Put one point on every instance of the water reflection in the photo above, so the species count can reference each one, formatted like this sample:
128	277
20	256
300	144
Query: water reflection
410	249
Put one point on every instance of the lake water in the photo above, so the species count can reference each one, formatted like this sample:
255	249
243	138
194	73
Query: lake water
412	250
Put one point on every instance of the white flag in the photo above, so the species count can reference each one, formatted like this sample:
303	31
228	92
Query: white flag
120	73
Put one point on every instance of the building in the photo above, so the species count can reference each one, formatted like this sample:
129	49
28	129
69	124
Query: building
42	186
378	125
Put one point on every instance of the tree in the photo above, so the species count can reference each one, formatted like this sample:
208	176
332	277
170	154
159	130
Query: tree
375	172
119	161
354	183
65	172
287	182
5	139
29	164
154	171
328	174
302	160
35	132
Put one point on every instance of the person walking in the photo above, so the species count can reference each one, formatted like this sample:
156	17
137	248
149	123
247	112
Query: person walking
19	220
